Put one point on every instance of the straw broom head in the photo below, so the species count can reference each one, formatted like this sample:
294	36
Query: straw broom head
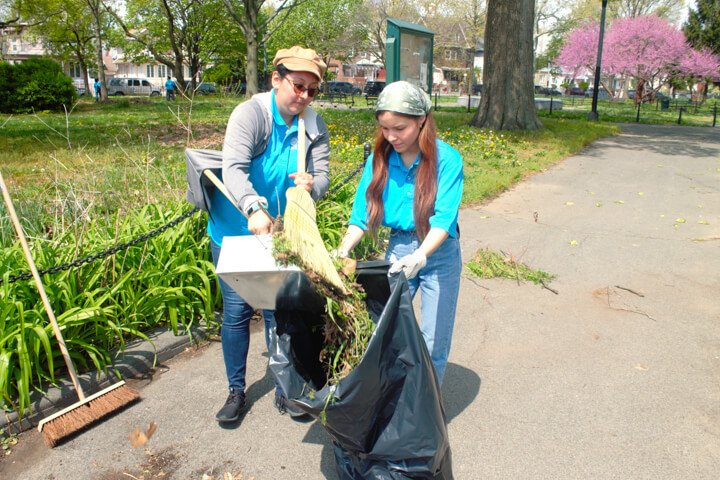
300	230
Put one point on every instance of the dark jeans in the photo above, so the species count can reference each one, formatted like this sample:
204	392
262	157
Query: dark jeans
235	332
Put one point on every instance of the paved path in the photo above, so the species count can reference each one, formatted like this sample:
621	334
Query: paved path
615	377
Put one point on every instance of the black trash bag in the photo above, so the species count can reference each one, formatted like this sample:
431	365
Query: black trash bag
386	417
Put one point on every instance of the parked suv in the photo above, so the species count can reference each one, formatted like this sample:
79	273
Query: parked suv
132	86
343	87
206	88
373	87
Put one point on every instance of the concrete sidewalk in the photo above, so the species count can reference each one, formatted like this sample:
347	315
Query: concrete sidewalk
615	376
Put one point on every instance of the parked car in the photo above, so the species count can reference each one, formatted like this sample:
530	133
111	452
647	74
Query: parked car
550	92
477	89
602	93
206	88
132	86
346	88
575	91
373	87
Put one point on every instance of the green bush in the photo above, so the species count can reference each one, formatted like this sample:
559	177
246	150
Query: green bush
35	84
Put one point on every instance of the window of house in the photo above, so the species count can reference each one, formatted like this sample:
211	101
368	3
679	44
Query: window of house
447	54
161	71
14	45
454	54
149	71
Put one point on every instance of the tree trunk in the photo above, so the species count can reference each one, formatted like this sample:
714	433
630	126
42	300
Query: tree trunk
84	70
508	101
251	68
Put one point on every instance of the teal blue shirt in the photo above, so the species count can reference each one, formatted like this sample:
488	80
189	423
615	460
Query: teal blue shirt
269	177
400	190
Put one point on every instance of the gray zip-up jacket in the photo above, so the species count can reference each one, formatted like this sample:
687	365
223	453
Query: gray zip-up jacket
247	136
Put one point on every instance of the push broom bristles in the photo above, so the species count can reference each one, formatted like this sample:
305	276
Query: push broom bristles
80	415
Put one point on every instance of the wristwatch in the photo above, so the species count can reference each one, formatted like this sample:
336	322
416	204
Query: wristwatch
254	208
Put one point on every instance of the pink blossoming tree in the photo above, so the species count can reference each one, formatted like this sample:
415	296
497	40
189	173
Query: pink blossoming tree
647	48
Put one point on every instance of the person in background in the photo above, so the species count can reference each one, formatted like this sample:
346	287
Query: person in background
98	89
169	89
259	165
413	184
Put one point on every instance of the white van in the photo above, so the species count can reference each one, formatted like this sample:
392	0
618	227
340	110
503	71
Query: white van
132	86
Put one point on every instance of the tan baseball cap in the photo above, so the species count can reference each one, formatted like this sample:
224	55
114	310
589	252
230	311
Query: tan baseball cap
300	59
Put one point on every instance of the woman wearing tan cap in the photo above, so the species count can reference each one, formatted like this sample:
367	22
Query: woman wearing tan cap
259	165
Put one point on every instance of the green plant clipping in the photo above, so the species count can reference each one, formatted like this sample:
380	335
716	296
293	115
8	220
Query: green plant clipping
347	326
490	264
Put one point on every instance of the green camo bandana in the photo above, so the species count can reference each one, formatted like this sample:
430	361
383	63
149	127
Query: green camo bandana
403	97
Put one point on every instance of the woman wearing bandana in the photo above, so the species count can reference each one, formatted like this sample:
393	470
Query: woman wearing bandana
413	184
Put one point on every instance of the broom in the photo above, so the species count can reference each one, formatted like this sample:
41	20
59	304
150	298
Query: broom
89	409
300	225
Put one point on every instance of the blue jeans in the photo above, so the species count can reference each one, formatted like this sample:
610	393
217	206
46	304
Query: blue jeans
235	331
439	284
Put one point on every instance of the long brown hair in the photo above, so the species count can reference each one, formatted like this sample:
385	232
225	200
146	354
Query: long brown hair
425	178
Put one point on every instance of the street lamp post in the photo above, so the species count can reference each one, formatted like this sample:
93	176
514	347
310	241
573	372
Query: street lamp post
593	115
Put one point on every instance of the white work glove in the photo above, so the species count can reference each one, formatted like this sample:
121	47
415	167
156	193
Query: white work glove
339	253
410	264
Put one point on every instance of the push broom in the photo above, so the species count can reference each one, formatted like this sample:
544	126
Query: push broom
87	410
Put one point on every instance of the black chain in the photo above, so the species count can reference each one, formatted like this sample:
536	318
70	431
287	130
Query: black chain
344	182
112	251
118	248
366	154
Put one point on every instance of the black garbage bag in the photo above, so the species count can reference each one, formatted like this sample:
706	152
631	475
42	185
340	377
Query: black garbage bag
386	417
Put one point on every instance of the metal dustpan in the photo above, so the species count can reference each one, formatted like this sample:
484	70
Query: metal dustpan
246	264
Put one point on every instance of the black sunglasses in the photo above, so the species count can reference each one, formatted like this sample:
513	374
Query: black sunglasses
300	89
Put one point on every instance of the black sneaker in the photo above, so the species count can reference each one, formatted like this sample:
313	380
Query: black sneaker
230	412
285	406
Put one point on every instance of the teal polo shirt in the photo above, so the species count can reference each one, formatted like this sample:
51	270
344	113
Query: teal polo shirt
269	177
400	190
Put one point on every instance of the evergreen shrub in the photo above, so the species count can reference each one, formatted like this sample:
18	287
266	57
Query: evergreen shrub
35	84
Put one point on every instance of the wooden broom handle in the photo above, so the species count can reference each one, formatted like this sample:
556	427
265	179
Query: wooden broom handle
301	143
38	282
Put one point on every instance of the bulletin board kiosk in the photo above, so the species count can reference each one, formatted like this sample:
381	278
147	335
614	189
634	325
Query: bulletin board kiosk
409	53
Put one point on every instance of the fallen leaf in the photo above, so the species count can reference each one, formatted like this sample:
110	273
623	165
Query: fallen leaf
485	216
138	438
592	193
699	206
619	201
573	243
660	166
641	193
569	204
703	222
207	477
598	204
680	220
642	367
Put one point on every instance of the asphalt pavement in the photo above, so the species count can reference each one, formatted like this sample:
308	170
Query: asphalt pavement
613	375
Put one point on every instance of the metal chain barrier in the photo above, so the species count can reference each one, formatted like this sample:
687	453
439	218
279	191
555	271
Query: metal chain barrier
366	154
112	251
118	248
